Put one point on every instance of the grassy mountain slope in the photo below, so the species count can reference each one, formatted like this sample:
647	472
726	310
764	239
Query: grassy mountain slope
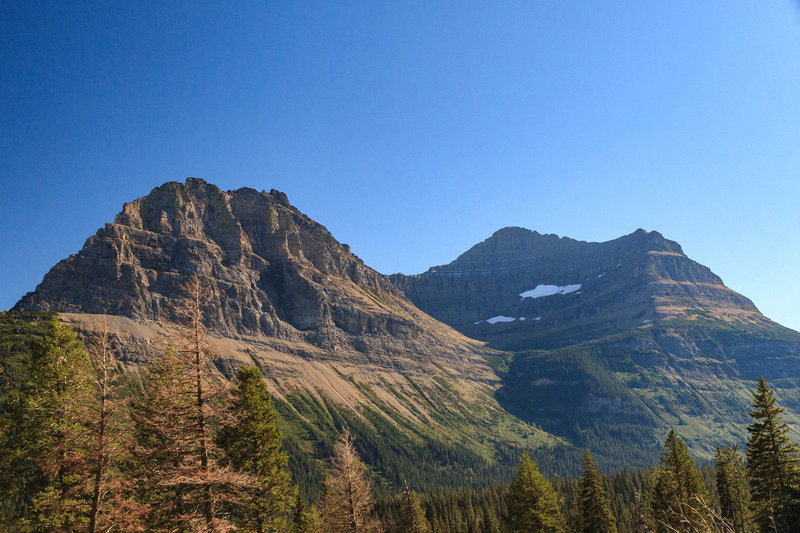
624	392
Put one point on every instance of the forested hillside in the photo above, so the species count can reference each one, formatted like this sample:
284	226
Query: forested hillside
84	449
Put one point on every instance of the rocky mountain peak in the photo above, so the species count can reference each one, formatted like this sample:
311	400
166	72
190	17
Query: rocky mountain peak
273	271
522	288
652	241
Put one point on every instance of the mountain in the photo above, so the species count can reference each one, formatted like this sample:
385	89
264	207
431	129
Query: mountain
524	342
611	344
520	289
337	342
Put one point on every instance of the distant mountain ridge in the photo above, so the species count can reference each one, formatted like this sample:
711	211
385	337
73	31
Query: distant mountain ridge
612	286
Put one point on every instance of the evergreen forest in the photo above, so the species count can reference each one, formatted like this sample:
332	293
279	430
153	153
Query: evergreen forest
86	446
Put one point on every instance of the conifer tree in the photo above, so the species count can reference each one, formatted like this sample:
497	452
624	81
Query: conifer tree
251	439
196	354
112	506
532	502
732	488
772	464
679	500
301	518
163	425
596	514
178	465
50	444
412	518
347	493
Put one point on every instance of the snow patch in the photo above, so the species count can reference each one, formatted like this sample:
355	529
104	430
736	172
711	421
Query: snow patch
500	318
522	318
538	318
549	290
646	321
600	275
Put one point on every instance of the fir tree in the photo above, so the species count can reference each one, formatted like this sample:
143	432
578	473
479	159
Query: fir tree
179	471
596	514
732	488
532	502
772	464
50	445
347	493
412	518
112	503
678	499
301	519
251	439
196	354
163	425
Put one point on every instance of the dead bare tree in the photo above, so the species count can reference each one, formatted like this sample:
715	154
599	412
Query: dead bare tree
347	498
697	517
112	504
180	469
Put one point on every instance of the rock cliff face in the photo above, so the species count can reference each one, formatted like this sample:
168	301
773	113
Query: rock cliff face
273	271
560	291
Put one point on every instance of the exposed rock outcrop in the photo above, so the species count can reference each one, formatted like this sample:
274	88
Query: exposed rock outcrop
597	288
273	272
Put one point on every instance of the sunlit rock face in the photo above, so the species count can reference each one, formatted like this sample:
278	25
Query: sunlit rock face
272	271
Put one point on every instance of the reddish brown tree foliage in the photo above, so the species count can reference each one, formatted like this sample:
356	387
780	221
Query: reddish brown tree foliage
112	506
179	471
347	498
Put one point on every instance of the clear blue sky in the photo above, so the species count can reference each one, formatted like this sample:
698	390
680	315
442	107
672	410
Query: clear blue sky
413	130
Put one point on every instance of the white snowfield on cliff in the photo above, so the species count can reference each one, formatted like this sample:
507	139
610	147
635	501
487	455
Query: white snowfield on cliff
549	290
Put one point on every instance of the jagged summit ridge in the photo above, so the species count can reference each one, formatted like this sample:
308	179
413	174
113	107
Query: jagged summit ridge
586	289
274	271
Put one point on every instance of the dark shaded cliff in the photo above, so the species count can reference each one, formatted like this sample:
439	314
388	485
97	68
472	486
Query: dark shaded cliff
560	291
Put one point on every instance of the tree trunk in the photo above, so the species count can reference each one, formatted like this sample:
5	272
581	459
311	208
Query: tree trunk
99	467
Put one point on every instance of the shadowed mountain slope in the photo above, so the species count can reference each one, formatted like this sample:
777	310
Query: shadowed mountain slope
560	291
614	343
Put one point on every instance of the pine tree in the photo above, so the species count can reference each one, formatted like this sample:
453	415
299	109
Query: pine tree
732	488
251	439
163	426
347	493
532	502
596	514
412	518
50	445
196	354
679	500
112	503
178	465
772	464
301	519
